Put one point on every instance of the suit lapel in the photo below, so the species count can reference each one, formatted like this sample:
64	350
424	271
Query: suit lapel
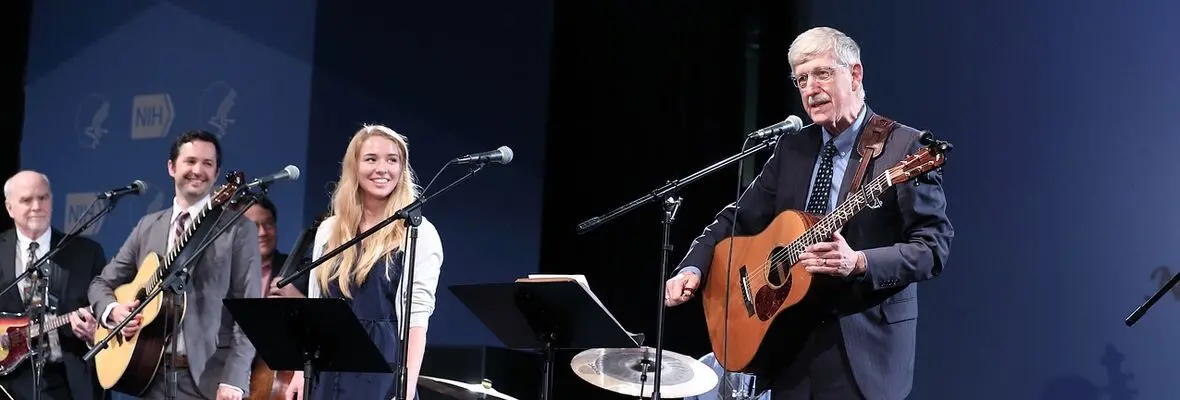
59	274
10	301
8	256
158	233
802	164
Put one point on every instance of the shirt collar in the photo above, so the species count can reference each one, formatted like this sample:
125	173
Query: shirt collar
846	139
42	241
192	210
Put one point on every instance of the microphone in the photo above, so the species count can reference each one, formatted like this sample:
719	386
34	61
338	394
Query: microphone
792	124
289	172
502	155
135	188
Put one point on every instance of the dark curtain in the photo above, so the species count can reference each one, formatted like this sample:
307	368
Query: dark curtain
16	17
643	93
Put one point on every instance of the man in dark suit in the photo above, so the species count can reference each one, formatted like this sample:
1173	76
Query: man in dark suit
29	201
860	337
212	355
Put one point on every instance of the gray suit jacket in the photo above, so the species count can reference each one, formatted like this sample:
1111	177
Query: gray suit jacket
217	350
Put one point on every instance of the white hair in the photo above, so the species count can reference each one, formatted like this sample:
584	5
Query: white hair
8	183
820	41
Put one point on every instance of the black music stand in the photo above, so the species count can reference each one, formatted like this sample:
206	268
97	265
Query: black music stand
544	314
312	335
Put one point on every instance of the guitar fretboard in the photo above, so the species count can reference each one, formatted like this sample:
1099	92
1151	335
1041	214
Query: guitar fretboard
161	272
829	224
51	323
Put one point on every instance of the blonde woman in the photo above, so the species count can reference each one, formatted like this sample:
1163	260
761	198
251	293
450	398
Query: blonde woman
375	182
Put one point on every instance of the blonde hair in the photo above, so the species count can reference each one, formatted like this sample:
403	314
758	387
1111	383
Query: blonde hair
353	264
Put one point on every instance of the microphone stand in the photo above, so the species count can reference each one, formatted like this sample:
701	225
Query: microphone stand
175	283
1142	309
670	204
412	216
37	308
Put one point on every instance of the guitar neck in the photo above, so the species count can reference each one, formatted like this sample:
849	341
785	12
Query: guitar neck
182	241
51	322
831	223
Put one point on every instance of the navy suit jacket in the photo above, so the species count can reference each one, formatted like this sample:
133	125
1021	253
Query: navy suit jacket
905	240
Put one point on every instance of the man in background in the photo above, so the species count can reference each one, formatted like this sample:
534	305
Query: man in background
264	215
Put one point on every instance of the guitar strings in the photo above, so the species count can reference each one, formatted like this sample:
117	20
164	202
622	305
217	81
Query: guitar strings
879	185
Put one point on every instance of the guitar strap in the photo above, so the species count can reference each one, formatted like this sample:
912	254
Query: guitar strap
872	142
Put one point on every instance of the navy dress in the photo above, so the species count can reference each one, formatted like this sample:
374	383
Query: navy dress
374	305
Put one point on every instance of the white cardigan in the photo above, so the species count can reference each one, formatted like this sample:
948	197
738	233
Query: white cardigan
427	266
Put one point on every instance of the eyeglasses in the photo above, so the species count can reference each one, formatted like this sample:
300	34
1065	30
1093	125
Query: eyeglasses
821	74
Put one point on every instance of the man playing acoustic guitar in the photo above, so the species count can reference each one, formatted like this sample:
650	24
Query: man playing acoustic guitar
853	336
212	355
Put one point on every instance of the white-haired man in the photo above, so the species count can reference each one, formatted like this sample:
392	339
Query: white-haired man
29	201
855	338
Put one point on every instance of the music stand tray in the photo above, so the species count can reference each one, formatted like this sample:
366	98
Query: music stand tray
545	314
312	335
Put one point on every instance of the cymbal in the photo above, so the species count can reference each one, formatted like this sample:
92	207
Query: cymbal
460	390
622	371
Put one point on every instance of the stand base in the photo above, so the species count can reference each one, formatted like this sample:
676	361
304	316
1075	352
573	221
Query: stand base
547	376
308	377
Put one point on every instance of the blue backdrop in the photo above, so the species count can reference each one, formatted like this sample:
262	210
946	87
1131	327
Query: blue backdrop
1059	188
111	85
456	78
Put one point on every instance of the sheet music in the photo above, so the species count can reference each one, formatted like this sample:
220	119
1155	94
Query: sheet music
581	279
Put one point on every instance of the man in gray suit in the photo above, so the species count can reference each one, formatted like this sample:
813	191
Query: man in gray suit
855	337
213	357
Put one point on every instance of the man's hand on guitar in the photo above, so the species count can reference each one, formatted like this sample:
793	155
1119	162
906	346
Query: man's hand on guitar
121	311
83	324
295	388
285	291
680	288
833	258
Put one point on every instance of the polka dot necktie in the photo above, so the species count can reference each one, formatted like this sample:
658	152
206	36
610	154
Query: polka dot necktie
822	189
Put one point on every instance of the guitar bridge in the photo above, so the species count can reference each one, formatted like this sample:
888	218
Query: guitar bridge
747	295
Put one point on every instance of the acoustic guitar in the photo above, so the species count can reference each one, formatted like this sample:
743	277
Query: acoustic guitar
17	335
128	364
266	383
767	282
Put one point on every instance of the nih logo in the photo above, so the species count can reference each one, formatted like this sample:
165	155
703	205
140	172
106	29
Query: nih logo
151	116
76	207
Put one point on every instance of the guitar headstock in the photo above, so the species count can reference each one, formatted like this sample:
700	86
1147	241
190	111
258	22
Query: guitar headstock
235	180
926	159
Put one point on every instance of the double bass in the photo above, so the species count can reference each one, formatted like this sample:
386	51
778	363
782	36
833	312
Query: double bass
266	383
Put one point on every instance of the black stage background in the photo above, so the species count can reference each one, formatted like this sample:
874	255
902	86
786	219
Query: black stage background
641	93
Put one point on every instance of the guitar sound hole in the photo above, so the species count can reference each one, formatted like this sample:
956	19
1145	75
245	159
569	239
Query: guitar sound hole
779	273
